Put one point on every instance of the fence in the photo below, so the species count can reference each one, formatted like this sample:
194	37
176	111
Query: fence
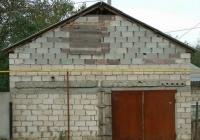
4	77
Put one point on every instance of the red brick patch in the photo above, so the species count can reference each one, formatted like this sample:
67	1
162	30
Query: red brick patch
102	61
159	61
113	61
90	61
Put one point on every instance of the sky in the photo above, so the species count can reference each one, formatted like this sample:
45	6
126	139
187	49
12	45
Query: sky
164	15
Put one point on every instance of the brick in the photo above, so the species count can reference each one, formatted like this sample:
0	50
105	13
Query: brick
35	45
169	61
11	55
31	118
58	112
43	118
157	39
20	129
169	50
81	19
55	50
32	129
151	55
133	28
79	112
90	113
150	34
29	61
48	101
42	50
21	106
115	23
140	45
121	50
113	62
54	61
148	61
174	55
165	45
121	28
133	50
185	55
175	77
163	55
102	61
112	28
119	18
127	34
37	78
79	61
92	19
43	106
109	39
132	77
36	56
53	39
62	45
115	45
121	39
159	61
41	39
133	39
137	61
29	50
129	55
115	34
24	56
53	118
90	61
61	56
139	33
49	56
125	61
145	50
47	112
145	39
31	106
48	34
36	112
157	50
151	45
66	61
126	23
60	34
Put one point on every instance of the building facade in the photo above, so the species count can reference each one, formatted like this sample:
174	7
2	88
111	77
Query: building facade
123	49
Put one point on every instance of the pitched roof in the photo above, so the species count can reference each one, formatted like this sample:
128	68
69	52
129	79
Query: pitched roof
90	9
195	77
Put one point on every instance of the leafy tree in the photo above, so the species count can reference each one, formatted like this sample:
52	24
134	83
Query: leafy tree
195	58
22	18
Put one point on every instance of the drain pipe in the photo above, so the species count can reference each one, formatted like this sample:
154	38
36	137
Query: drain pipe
68	113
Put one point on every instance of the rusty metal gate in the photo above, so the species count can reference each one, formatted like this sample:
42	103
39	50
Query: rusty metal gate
143	115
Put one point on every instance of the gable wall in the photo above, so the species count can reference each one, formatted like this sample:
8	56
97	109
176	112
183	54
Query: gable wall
124	45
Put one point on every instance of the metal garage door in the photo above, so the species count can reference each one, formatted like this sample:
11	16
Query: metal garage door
143	115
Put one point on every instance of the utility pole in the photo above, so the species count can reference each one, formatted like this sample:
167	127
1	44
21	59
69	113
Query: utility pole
109	2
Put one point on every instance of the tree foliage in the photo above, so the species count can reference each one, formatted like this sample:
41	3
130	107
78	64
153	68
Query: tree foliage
22	18
195	58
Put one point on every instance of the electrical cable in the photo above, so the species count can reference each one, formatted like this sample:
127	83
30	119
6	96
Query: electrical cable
189	30
182	30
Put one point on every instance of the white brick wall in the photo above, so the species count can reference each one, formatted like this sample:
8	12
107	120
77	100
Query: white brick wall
50	115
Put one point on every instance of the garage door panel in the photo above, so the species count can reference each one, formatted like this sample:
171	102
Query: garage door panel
127	115
159	112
